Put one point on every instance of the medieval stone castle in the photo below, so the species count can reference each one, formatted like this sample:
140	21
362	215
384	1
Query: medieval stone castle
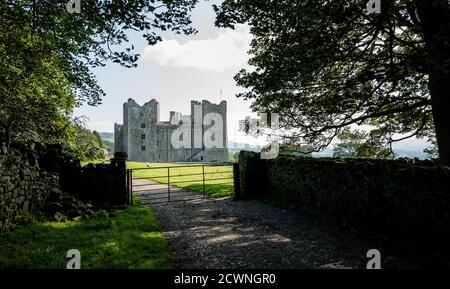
145	138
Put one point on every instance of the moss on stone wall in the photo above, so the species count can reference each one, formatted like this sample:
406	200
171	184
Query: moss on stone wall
28	177
24	187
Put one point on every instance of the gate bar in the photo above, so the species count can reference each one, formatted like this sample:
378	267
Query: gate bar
203	171
131	187
127	180
168	183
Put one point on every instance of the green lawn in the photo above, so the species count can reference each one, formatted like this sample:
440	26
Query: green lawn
218	179
130	239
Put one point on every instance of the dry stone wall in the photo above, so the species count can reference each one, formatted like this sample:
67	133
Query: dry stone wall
28	179
24	187
407	199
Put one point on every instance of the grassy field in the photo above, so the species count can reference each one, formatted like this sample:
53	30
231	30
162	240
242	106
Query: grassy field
131	239
218	179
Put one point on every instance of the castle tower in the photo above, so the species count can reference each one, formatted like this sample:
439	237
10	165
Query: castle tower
145	138
139	129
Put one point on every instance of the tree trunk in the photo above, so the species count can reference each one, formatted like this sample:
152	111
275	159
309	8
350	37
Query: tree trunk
435	20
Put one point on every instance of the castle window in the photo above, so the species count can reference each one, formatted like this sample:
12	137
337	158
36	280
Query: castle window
141	114
142	125
142	136
142	148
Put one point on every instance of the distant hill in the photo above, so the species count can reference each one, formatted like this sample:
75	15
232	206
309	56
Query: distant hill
411	153
400	153
107	136
234	147
108	140
240	146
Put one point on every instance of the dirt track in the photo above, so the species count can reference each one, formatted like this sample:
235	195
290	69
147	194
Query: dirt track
226	234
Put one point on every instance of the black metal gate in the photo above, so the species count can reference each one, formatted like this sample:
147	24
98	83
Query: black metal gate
176	183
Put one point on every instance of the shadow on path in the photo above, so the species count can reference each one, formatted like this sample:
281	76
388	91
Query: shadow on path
226	234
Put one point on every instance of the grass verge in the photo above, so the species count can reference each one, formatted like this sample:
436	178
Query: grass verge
218	179
130	239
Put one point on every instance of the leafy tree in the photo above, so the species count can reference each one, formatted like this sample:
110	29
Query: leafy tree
233	157
46	55
325	65
84	144
289	148
432	151
36	98
97	135
354	144
108	145
97	34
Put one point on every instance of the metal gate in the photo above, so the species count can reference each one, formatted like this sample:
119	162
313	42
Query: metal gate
156	185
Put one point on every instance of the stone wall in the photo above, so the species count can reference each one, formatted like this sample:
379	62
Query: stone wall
28	178
24	187
103	184
406	199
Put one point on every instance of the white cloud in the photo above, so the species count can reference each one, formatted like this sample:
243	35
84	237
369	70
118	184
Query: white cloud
227	50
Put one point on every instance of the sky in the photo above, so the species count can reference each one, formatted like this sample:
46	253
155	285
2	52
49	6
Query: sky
183	68
177	70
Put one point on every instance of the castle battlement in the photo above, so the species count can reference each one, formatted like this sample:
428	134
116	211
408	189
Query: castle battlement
144	137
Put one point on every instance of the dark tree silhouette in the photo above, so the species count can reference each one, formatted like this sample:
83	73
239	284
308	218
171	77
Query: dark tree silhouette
325	65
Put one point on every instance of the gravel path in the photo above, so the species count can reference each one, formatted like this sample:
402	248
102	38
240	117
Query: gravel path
226	234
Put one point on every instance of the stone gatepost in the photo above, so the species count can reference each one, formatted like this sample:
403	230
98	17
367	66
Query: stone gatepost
119	160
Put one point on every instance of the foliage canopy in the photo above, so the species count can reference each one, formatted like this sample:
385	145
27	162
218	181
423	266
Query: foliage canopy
47	53
326	65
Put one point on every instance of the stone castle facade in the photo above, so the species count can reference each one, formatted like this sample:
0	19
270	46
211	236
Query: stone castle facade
145	138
